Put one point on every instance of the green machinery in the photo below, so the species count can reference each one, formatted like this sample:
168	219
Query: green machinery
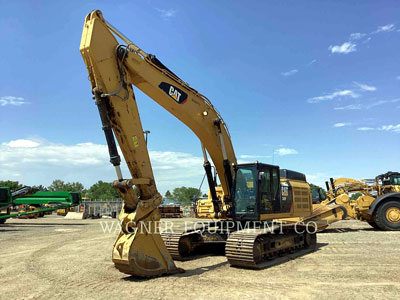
42	201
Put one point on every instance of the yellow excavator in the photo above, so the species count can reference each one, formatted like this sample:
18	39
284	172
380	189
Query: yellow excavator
251	195
378	201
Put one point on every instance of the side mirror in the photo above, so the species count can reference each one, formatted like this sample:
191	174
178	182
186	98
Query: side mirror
261	176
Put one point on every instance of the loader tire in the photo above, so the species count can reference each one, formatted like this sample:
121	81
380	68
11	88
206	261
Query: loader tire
388	216
374	225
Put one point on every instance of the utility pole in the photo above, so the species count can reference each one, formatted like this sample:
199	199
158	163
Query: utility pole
146	132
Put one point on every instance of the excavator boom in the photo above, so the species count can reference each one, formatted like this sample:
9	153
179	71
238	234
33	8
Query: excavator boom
113	69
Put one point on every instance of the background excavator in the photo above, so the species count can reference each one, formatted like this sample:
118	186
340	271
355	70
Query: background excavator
249	195
378	201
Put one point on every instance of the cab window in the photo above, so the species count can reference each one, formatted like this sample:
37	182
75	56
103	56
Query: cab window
396	180
245	190
269	191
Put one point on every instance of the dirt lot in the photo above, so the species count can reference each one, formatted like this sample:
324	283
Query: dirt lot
53	258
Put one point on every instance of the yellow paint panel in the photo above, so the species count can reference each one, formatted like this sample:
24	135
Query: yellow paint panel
135	141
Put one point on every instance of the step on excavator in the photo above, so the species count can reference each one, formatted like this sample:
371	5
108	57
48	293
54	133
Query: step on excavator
254	194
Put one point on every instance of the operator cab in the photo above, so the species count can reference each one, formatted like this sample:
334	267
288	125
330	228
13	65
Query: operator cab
317	195
256	190
390	178
76	198
5	196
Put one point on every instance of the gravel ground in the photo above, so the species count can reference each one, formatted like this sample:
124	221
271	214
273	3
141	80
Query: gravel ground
53	258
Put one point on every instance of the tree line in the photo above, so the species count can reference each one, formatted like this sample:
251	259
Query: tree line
104	190
184	195
100	190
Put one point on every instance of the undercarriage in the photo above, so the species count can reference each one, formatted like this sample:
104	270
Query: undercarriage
252	245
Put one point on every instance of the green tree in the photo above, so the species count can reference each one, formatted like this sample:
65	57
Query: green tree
40	188
168	194
316	186
59	185
185	195
75	187
355	196
102	190
13	185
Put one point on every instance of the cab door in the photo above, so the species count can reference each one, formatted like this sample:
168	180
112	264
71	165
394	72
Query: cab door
269	190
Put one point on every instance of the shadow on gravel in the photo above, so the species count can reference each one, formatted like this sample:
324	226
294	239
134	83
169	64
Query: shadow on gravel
320	245
43	224
201	270
341	230
6	229
187	273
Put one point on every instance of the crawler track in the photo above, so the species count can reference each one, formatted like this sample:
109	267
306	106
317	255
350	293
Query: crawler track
259	248
188	244
182	245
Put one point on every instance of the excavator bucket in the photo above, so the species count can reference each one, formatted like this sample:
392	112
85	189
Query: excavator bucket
143	254
139	249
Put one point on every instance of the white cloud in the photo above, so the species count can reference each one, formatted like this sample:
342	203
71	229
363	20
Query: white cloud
385	28
34	163
320	178
345	48
365	87
367	40
289	73
377	103
11	100
337	94
365	128
357	36
247	156
312	62
285	151
349	107
22	144
390	128
167	13
338	125
381	102
387	128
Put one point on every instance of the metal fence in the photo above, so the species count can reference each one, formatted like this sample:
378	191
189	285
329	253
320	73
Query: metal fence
98	209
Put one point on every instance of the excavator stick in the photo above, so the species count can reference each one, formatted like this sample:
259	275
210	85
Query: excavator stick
139	249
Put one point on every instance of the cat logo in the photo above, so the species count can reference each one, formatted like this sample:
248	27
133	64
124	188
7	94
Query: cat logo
177	94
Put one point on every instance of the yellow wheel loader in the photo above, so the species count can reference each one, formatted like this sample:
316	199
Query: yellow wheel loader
378	203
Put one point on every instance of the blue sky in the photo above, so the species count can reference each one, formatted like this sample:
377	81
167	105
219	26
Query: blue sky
309	85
